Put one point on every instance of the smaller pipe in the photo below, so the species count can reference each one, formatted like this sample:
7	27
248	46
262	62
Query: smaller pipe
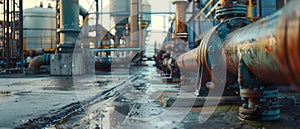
83	12
250	5
36	62
21	40
180	15
258	4
97	25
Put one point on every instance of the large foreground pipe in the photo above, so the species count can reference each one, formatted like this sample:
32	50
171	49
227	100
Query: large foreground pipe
270	48
258	57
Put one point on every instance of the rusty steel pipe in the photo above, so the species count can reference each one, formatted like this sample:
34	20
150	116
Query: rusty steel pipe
269	47
36	62
180	11
189	61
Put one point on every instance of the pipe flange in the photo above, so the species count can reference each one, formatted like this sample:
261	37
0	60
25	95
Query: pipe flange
175	1
182	36
237	10
68	30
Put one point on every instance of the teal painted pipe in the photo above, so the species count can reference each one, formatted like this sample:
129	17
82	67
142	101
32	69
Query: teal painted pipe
69	22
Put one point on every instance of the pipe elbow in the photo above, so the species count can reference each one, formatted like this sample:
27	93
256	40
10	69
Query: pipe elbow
83	12
36	62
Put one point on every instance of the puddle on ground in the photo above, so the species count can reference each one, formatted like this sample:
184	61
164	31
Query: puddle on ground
61	84
60	88
5	93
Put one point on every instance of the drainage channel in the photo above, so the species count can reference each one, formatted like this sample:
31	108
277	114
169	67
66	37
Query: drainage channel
70	110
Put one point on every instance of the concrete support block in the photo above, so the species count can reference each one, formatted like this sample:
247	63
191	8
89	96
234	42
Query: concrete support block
67	64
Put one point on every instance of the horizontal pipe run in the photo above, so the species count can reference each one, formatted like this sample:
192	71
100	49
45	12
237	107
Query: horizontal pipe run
115	49
36	62
269	47
189	62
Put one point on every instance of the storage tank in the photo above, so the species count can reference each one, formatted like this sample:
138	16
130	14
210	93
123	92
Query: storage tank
146	17
120	12
39	28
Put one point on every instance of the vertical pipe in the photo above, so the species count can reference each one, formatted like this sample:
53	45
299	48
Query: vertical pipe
140	27
13	31
21	33
194	24
164	26
180	6
7	34
133	24
101	12
56	21
69	22
3	31
258	4
250	5
155	44
97	24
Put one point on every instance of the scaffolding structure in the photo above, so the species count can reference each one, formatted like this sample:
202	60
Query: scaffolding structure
11	37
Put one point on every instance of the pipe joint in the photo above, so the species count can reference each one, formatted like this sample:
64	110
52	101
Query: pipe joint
176	1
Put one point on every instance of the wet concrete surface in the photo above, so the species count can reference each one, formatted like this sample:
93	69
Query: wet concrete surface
141	106
137	106
28	98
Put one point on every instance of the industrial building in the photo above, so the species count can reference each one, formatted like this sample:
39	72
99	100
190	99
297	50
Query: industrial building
187	64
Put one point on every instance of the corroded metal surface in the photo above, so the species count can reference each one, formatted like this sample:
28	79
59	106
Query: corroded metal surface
180	6
259	56
190	60
288	43
269	47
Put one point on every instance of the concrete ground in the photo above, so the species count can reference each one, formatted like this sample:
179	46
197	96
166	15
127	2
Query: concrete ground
141	105
25	97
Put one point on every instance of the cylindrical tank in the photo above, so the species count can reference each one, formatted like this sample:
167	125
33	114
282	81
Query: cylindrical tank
120	11
39	28
146	18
